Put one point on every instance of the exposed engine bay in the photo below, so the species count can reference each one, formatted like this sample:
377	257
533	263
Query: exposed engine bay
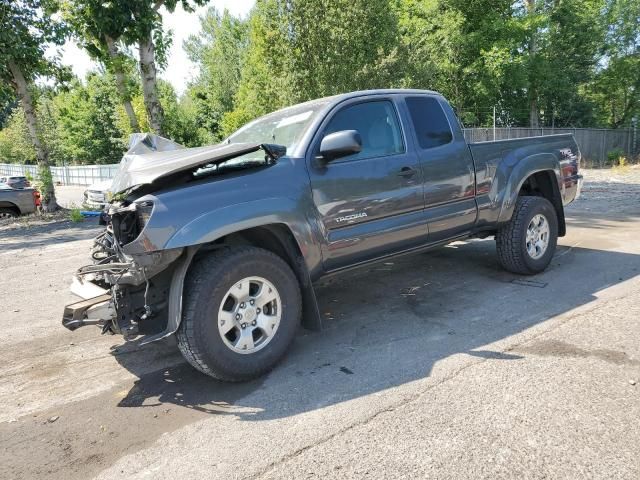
123	293
134	288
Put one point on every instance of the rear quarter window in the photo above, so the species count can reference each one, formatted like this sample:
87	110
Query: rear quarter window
429	121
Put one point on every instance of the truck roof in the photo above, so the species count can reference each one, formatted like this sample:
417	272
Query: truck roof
388	91
333	99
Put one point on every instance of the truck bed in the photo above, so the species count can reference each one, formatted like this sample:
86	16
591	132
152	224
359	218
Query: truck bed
503	156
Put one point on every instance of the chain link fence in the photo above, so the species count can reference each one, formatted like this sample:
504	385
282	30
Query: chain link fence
69	175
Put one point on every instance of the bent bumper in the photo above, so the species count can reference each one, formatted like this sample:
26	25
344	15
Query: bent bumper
95	308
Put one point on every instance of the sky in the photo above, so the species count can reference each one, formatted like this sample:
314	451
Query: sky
179	69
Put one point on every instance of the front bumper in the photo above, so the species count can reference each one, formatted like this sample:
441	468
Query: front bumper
95	308
95	199
138	296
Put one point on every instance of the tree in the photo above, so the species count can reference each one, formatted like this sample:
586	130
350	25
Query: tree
615	89
304	49
219	51
15	143
266	77
98	27
145	31
86	122
563	38
26	27
468	51
343	45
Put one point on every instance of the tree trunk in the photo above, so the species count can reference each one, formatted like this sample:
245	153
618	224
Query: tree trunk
116	68
22	90
534	121
533	100
149	85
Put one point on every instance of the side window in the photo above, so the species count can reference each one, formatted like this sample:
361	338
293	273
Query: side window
430	122
377	124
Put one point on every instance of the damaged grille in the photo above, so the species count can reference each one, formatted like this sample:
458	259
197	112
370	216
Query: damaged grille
127	224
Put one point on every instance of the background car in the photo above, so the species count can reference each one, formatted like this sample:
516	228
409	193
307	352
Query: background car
97	195
17	201
15	182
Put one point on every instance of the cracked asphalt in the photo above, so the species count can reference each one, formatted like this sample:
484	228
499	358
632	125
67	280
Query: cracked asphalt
437	365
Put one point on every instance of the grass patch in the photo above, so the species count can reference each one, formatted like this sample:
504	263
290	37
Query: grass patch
75	215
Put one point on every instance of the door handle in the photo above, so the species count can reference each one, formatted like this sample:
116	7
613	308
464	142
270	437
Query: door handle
407	172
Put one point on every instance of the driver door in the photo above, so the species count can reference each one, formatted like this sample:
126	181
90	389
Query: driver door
371	203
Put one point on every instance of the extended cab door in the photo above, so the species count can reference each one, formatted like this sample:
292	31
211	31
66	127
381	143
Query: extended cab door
447	165
370	203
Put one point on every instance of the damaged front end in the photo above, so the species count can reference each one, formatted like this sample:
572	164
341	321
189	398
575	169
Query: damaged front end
134	287
137	295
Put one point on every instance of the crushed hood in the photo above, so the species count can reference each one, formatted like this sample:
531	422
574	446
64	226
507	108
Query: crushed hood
151	157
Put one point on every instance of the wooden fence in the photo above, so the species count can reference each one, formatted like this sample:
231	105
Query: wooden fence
594	143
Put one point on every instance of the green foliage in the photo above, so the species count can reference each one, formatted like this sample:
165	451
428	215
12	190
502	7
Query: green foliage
86	127
180	120
219	51
616	158
615	90
27	28
562	63
75	215
44	178
322	37
15	144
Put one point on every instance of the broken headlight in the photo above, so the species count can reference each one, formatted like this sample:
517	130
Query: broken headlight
143	213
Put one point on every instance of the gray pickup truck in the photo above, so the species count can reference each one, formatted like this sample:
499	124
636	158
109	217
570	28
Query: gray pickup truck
221	245
16	201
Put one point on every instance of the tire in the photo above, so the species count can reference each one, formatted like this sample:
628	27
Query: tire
208	291
6	213
511	239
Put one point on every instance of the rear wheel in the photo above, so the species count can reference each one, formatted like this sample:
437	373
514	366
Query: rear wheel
6	213
242	307
527	243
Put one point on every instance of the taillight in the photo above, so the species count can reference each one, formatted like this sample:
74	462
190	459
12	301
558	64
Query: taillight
36	198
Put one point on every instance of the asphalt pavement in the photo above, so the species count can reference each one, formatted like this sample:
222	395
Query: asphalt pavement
437	365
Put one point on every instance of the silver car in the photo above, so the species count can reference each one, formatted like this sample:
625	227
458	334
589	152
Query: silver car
98	194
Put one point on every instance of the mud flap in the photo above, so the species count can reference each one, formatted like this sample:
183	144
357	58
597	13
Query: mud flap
311	319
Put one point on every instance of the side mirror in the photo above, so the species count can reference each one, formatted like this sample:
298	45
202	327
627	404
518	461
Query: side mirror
340	144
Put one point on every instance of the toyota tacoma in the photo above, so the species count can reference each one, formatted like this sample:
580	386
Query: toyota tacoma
221	245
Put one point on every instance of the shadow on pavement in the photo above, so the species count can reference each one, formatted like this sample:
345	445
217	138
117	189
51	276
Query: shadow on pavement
37	236
389	324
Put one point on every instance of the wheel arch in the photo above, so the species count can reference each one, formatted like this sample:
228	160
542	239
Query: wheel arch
10	206
279	239
274	237
539	174
543	184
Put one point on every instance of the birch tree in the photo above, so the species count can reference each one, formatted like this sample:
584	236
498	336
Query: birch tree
26	28
145	31
98	27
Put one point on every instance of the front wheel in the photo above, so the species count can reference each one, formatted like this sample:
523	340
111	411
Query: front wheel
242	307
527	243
